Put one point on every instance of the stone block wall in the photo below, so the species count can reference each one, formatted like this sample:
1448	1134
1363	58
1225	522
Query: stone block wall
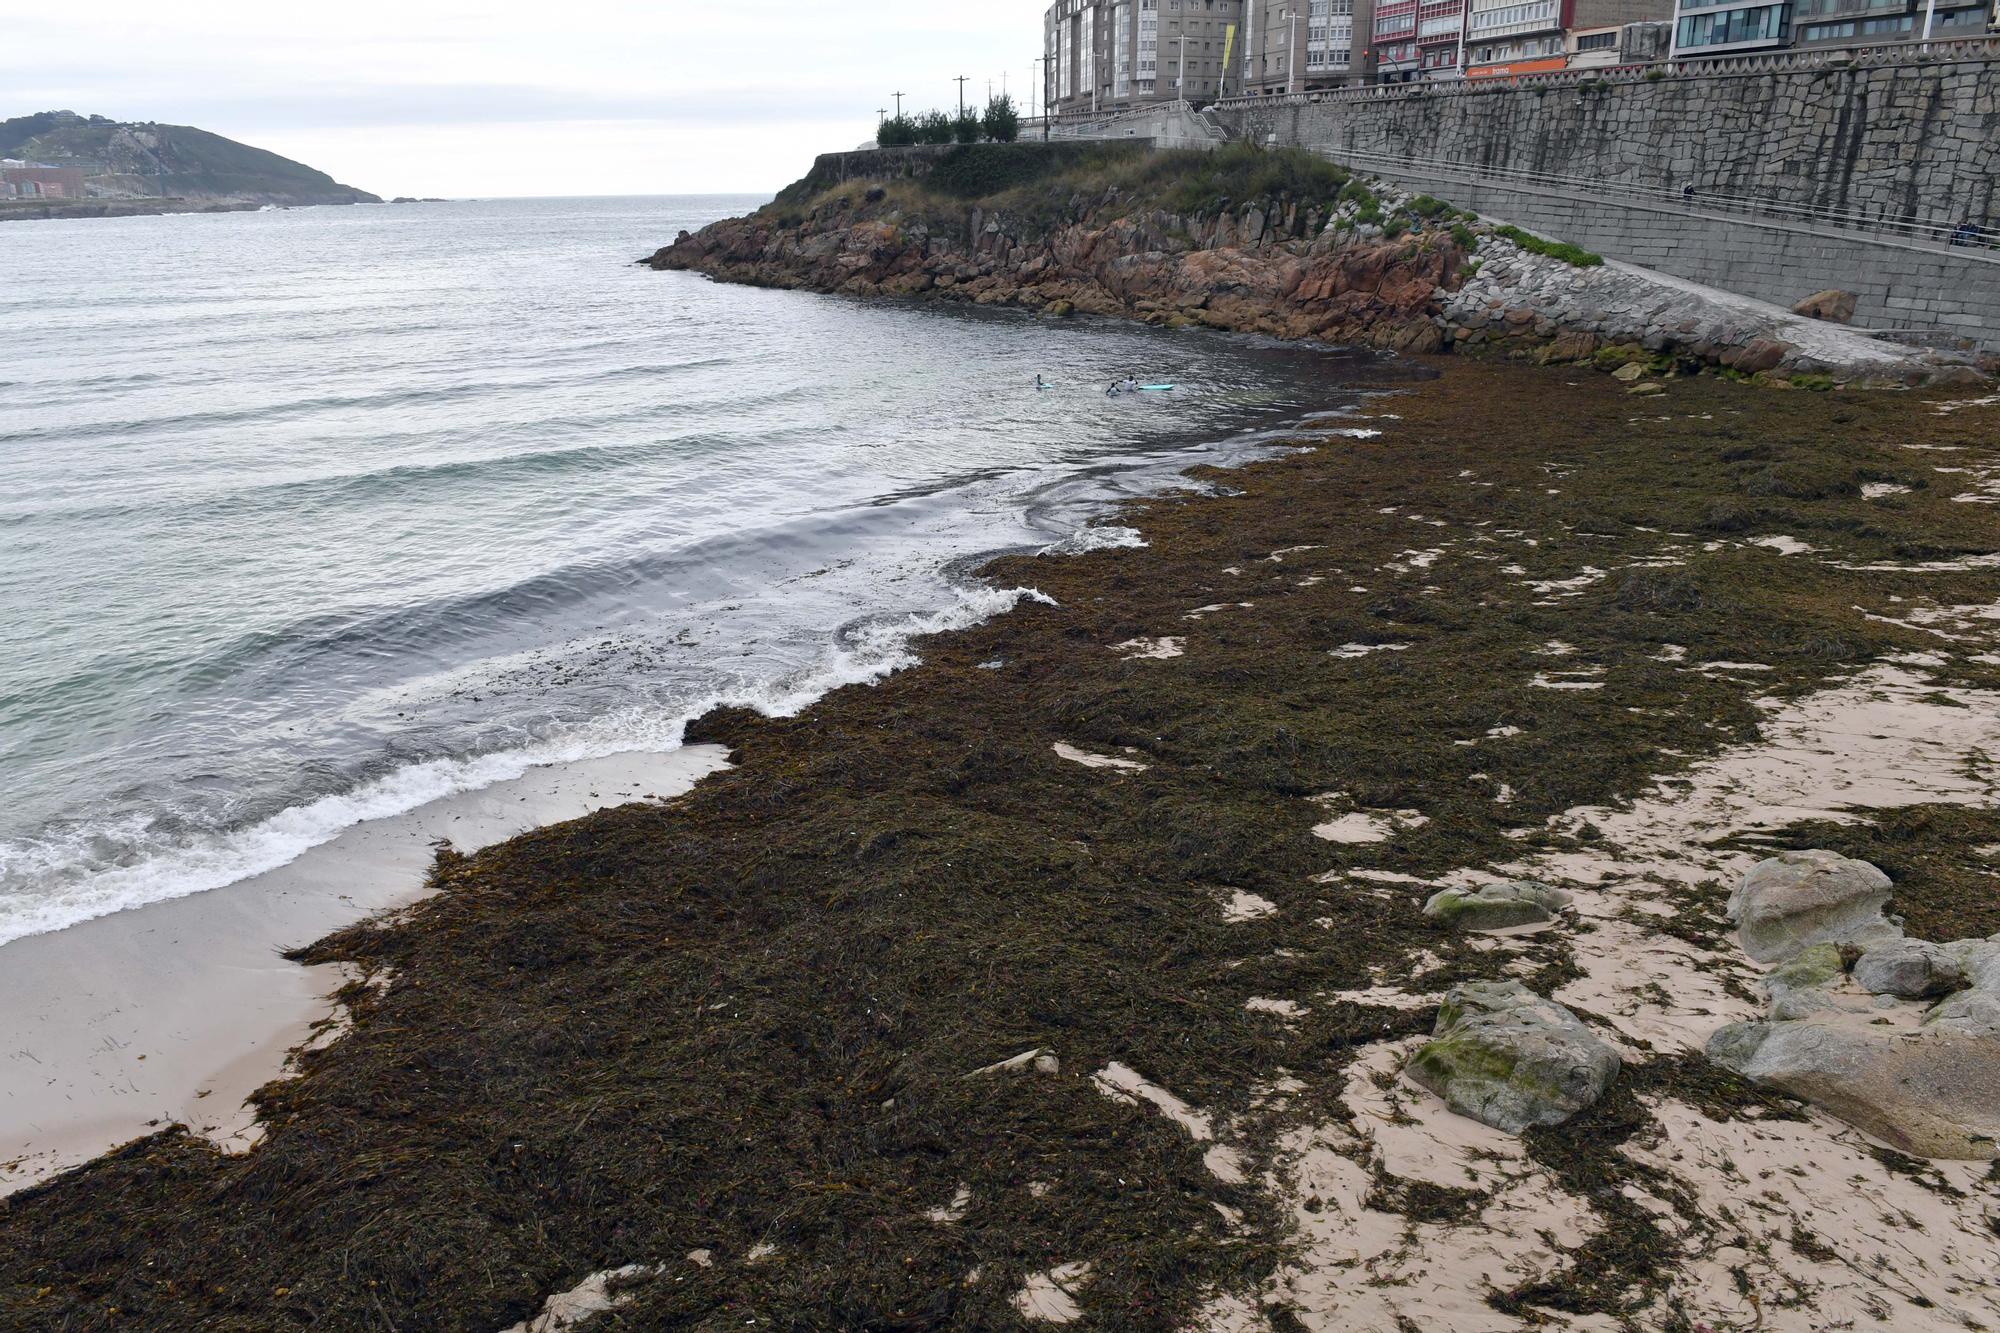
1916	141
1924	289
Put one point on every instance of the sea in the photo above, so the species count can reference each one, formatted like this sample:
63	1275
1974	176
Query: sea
315	516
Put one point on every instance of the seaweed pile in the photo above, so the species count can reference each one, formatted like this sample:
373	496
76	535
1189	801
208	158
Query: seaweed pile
729	1040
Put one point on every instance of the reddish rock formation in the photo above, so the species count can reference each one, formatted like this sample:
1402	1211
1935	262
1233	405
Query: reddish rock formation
1269	267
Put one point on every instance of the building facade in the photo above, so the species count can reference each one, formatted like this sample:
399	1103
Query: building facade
1295	46
1113	55
1513	37
1618	44
1396	56
27	180
1818	23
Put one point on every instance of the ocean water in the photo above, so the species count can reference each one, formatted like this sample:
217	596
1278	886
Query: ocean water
310	517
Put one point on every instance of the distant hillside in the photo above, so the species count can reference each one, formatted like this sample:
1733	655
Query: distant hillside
139	161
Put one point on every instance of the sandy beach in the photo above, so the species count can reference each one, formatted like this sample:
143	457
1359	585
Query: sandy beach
1074	976
174	1013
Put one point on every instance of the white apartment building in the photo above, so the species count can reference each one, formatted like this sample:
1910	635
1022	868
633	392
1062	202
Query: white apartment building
1111	55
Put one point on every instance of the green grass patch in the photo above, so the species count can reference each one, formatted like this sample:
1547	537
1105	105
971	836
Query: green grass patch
1563	250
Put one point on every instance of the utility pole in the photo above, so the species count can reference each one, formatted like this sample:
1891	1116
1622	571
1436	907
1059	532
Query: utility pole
1292	60
961	81
899	105
881	115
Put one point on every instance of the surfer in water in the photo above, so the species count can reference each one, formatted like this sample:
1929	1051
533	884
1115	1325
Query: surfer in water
1131	384
1114	390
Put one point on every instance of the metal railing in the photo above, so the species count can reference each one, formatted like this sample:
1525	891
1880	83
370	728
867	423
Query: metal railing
1960	51
1975	242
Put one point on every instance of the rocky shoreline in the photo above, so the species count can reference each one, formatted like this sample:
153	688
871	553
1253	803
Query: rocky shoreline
1352	263
116	208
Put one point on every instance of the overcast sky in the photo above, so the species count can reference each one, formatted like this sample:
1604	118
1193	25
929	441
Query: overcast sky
502	97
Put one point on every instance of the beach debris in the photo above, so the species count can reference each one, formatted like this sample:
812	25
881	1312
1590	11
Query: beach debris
584	1302
1089	760
1050	1298
1498	906
1798	899
1037	1061
1506	1057
1150	650
1123	1083
955	1211
1247	907
1366	826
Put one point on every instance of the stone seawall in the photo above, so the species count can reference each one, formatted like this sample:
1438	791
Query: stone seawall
1912	141
1952	293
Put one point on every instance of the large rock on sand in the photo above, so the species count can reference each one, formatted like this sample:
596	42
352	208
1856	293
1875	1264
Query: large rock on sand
1792	902
1932	1092
1804	985
1911	970
1497	906
1510	1059
1924	1078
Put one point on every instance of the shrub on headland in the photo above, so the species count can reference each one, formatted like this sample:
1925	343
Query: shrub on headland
1002	120
934	127
897	132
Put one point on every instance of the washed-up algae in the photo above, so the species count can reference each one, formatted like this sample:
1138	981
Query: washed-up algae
742	1022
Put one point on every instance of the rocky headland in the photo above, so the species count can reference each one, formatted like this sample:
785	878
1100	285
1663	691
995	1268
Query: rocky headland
1274	242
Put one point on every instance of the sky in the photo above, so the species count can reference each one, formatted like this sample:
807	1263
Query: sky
563	97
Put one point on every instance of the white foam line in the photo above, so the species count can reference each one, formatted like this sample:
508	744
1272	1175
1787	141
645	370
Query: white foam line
878	651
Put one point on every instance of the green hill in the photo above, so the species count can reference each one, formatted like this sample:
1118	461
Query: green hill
127	160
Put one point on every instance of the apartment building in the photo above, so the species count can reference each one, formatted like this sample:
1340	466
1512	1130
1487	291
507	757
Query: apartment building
1512	37
1295	46
1620	44
1845	22
1396	57
1114	55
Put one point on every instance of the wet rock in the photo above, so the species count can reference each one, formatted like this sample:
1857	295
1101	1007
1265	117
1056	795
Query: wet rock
1508	1058
1958	377
1630	373
1934	1092
1497	906
1792	902
1834	306
1762	354
1801	987
1910	970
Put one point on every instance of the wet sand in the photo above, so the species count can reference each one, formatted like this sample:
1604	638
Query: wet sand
176	1012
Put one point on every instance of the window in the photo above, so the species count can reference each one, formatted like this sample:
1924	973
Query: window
1597	41
1766	24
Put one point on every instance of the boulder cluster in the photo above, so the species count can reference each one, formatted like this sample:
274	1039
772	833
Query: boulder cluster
1897	1036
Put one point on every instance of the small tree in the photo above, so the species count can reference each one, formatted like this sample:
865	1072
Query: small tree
1002	119
897	132
968	127
934	127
